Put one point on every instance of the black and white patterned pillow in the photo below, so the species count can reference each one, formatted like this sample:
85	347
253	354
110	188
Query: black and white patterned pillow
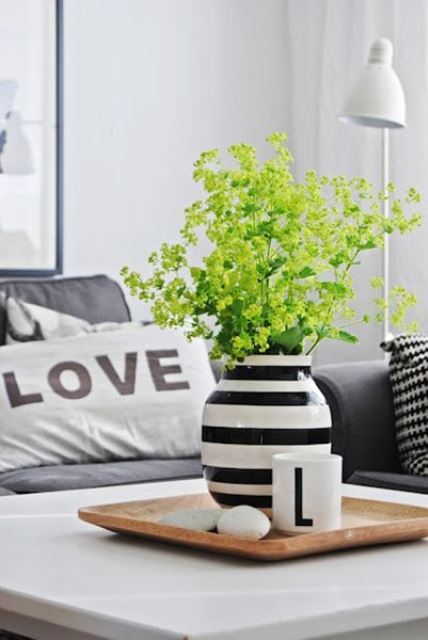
408	370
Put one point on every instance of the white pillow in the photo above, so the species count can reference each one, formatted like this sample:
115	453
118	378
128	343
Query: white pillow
28	322
118	395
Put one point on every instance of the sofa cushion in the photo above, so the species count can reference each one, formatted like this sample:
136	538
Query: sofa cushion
94	298
5	492
395	481
28	322
85	476
408	370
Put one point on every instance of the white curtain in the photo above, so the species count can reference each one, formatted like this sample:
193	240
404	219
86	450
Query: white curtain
328	43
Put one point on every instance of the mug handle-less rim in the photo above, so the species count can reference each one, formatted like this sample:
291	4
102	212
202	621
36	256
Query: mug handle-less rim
320	458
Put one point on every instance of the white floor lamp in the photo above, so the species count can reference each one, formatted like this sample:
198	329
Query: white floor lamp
377	100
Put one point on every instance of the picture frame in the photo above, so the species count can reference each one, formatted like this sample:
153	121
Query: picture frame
31	138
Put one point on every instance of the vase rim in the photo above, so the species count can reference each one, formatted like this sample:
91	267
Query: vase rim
276	360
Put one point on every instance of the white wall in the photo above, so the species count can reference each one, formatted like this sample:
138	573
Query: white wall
149	84
327	47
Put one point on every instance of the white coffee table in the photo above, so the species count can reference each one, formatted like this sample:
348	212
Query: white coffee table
62	579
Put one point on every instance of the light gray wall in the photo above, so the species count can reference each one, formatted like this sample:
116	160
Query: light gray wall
149	84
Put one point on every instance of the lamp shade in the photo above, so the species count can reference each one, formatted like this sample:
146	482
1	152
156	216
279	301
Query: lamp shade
377	99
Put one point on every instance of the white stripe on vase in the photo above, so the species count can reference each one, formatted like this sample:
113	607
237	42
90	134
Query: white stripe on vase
240	456
267	385
240	489
267	417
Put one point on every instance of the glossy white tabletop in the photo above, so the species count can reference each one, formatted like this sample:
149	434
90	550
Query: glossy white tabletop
57	569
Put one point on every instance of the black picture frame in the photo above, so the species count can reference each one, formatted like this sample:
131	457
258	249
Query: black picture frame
59	68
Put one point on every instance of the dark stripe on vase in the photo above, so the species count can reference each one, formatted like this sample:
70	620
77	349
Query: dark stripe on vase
266	398
268	373
256	436
233	500
238	476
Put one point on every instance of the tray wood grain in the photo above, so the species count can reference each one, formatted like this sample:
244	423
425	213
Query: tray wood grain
364	523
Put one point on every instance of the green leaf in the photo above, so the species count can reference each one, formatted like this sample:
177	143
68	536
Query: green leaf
347	337
370	244
290	340
336	261
306	272
322	332
274	265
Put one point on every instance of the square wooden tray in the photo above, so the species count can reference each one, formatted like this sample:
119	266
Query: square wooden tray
364	523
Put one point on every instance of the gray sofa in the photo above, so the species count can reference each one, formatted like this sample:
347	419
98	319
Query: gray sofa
360	399
359	396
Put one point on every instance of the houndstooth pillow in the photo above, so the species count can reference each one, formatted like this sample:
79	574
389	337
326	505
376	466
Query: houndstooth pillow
408	370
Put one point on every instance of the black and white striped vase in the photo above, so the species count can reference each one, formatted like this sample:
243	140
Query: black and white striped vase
266	405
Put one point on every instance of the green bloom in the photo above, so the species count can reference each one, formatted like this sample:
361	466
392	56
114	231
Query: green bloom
278	277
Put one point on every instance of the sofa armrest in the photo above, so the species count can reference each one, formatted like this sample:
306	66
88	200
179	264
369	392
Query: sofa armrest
360	399
6	492
391	481
217	368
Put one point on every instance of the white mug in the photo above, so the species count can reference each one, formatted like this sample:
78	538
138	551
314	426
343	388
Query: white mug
306	492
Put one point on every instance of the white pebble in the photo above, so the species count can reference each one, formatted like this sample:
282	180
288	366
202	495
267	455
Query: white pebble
197	519
244	522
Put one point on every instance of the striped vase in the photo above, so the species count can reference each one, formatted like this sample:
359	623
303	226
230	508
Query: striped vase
266	405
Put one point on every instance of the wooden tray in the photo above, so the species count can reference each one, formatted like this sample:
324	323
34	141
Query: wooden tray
364	523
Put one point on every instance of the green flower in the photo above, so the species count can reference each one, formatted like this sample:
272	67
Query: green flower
278	275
